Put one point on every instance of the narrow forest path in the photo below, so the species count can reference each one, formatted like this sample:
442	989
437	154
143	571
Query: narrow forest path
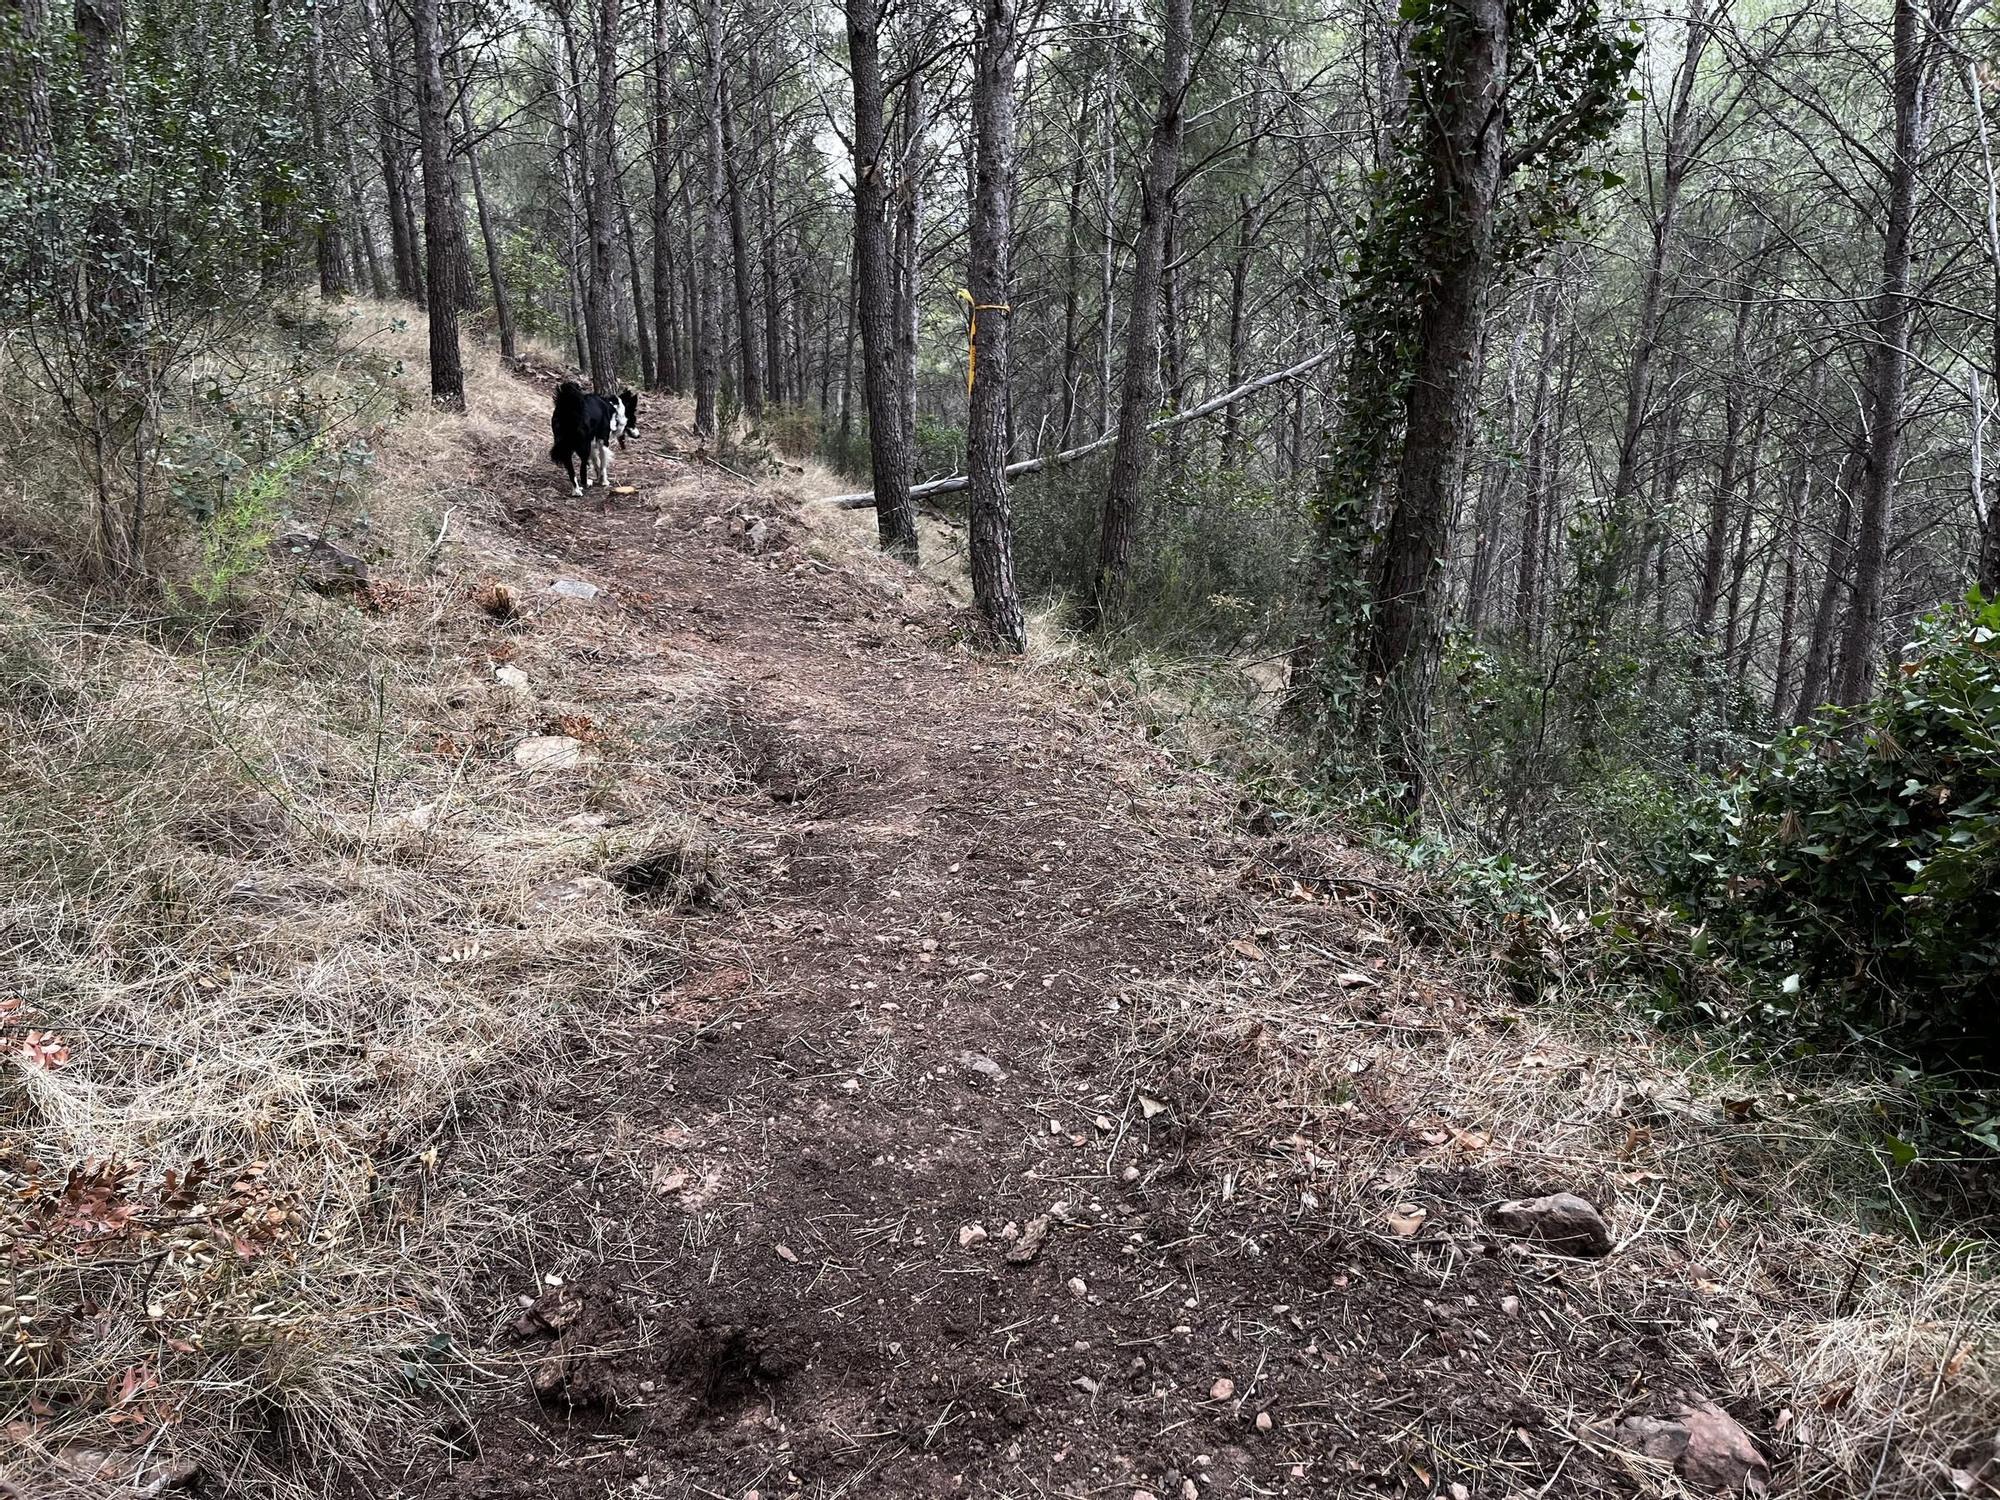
886	1204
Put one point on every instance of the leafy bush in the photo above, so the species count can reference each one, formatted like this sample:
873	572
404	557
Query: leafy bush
1862	858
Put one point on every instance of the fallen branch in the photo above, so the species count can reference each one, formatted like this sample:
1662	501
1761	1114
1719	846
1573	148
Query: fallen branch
865	499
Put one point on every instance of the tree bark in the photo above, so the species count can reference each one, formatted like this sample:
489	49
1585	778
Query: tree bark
888	448
1889	354
1139	396
443	220
1463	141
749	377
708	278
503	311
1617	549
403	249
666	339
333	282
990	281
648	370
598	296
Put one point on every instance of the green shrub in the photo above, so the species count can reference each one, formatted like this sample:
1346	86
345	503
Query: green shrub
1862	858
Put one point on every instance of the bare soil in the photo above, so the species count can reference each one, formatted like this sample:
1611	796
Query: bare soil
891	1193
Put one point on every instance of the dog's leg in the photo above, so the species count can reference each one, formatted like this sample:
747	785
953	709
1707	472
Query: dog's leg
569	473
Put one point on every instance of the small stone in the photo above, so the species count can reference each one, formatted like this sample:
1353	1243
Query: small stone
1707	1447
1130	1174
787	1253
1511	1306
1222	1390
971	1235
552	752
1567	1224
574	588
1190	1490
1030	1243
510	676
1077	1288
980	1063
1144	1495
1263	1421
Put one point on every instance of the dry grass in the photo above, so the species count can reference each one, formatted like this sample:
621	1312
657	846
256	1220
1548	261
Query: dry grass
1369	1058
286	928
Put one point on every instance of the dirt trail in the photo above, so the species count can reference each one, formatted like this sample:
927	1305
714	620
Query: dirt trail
883	1207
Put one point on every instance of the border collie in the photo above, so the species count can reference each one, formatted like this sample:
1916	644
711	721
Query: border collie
584	425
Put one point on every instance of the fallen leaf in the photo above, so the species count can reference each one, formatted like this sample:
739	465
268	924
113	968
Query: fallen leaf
786	1253
1406	1219
1150	1107
1248	949
1354	979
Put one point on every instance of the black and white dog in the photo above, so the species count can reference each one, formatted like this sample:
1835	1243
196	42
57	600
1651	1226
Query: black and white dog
585	424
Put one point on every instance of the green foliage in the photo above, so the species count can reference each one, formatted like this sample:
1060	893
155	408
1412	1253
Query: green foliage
940	448
537	282
1861	859
1216	563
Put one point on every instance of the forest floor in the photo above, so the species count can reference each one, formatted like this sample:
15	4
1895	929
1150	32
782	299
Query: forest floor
1023	1118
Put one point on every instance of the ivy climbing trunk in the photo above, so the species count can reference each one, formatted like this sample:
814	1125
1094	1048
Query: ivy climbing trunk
1462	135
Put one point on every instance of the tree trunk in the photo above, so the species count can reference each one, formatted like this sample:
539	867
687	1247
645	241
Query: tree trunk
570	157
990	280
1819	645
1715	546
443	220
708	280
888	449
749	377
1620	524
598	296
666	339
503	311
1463	141
333	282
648	370
357	200
907	249
1889	354
26	124
1539	478
767	177
403	250
1139	396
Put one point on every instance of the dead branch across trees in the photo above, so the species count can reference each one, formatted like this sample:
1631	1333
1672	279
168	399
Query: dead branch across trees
865	499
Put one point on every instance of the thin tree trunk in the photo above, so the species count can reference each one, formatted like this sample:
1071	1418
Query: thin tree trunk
443	219
598	301
1723	497
388	134
1139	397
503	311
570	156
649	372
333	282
1539	478
371	256
1819	645
749	378
1889	354
708	281
889	455
666	340
1620	524
990	281
766	163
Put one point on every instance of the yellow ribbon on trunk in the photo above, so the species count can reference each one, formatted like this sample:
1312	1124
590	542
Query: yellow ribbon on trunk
973	310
